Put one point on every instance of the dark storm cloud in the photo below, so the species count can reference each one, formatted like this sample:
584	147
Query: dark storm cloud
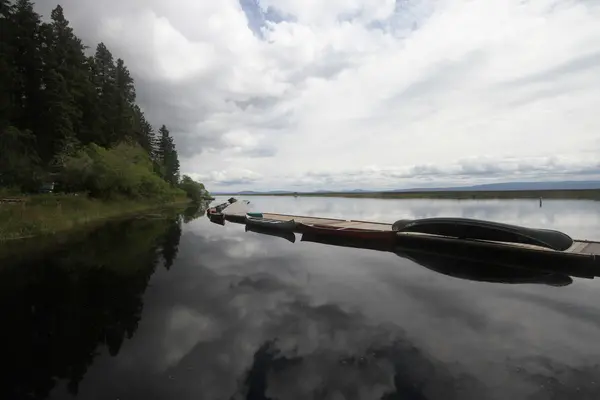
198	109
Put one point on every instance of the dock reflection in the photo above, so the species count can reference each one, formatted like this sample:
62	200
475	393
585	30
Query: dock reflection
462	263
289	236
458	267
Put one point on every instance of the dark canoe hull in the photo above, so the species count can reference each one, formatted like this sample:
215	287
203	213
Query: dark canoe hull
287	235
236	218
363	234
510	255
271	224
465	228
217	218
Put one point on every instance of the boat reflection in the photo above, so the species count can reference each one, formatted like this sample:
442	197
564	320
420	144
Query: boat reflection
454	265
216	219
289	236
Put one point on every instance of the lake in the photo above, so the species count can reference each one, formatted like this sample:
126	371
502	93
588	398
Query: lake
172	306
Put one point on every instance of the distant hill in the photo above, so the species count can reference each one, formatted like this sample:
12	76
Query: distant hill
562	185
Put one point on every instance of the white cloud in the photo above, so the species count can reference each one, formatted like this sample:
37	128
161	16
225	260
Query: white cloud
357	93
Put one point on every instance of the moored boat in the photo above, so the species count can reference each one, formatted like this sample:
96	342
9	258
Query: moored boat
266	223
217	209
340	231
217	218
465	228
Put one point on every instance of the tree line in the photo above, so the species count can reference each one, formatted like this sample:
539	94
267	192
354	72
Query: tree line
72	118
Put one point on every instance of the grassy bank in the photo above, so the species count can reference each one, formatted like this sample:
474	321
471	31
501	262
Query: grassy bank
588	194
49	214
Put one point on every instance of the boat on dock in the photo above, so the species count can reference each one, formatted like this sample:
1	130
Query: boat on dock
271	224
218	209
468	239
465	228
341	231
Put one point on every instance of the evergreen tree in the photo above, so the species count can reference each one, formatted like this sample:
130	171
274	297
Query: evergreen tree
104	74
167	157
143	133
65	56
19	163
124	101
58	116
58	108
7	72
27	58
90	130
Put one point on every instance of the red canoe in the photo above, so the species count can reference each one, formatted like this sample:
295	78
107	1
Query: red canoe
366	234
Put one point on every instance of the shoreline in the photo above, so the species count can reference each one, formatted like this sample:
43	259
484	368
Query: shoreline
48	215
577	194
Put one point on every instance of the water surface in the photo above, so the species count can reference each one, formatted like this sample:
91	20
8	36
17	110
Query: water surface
176	307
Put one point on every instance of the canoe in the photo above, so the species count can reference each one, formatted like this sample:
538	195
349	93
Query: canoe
332	230
217	218
266	223
217	209
464	228
287	235
236	218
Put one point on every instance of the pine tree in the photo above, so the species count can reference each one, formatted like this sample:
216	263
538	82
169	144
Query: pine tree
65	81
90	130
104	80
59	116
66	56
143	133
27	58
59	107
124	101
167	157
7	71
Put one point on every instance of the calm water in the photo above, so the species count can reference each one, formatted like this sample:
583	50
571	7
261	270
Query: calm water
176	307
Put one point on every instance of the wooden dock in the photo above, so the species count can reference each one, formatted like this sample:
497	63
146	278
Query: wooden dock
236	212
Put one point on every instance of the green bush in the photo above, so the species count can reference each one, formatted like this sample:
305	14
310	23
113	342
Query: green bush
194	190
123	171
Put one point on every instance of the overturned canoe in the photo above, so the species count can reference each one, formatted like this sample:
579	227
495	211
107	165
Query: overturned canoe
464	228
266	223
217	218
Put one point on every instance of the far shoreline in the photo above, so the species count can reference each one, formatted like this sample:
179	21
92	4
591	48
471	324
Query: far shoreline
574	194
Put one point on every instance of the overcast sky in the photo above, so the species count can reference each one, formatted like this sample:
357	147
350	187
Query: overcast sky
344	94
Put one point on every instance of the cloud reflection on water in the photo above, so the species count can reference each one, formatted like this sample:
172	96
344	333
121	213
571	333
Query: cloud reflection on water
241	315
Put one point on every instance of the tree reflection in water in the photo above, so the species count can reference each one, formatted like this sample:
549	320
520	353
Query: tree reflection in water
59	308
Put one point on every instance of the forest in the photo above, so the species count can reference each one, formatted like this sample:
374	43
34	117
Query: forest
69	121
